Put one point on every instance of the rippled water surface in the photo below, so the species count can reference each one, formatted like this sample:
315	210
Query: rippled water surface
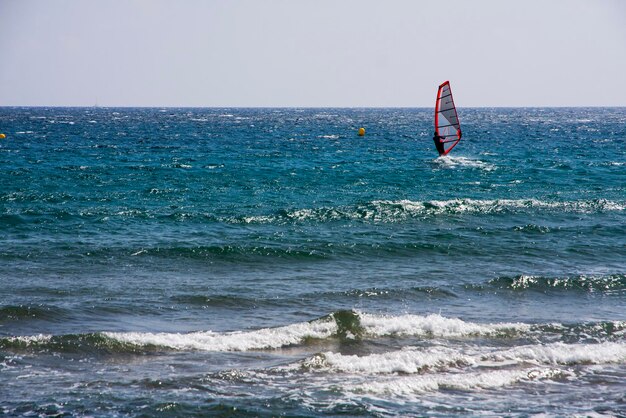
259	262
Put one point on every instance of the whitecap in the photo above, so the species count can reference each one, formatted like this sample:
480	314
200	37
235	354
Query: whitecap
404	386
408	360
231	341
433	325
448	161
564	354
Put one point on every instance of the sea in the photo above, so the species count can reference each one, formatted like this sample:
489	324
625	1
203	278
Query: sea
234	262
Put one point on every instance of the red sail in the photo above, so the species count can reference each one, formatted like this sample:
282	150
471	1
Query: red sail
446	120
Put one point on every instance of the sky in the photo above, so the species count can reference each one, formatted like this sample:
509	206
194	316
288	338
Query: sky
312	53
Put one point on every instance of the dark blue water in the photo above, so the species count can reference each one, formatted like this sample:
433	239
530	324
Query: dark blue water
264	262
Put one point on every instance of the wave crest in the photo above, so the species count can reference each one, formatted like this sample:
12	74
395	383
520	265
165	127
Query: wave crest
343	326
615	282
401	210
420	360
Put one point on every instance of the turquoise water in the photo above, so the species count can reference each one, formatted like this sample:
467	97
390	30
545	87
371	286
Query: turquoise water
259	262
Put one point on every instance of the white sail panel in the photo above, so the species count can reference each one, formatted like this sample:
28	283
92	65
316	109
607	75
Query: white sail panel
447	125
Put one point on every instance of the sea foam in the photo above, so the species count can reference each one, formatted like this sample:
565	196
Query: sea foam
231	341
366	325
401	210
408	361
421	360
434	325
449	161
408	385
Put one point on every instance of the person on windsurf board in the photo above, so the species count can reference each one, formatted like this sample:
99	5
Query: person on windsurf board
447	126
440	140
438	143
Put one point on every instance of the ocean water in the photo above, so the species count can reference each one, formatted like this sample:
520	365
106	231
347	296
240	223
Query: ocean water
270	262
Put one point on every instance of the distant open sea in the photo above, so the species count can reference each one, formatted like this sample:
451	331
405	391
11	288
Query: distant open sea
270	262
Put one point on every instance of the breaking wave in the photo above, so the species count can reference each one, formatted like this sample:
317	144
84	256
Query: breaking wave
465	381
377	211
400	210
414	360
338	326
342	325
609	283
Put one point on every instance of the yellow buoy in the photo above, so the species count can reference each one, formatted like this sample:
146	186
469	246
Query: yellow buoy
361	131
2	136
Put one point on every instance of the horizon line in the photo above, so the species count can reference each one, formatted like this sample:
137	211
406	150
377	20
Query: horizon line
306	107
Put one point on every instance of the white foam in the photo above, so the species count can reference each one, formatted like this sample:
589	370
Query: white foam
590	282
408	361
499	205
258	219
455	161
302	214
231	341
397	210
407	385
565	354
373	326
417	360
433	325
30	339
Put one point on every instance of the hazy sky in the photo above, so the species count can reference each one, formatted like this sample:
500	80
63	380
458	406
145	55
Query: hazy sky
312	52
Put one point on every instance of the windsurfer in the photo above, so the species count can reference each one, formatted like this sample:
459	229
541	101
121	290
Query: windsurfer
439	143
